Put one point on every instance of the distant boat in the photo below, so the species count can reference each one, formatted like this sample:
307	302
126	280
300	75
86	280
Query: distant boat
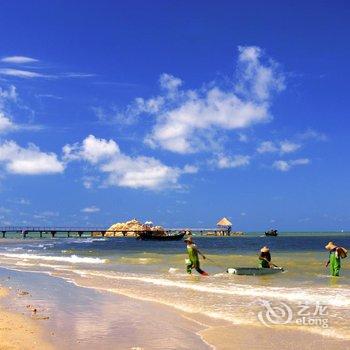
272	233
159	236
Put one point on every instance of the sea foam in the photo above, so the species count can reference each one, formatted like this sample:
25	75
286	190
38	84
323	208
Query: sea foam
73	259
327	296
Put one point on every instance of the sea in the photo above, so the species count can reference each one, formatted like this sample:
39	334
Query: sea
303	296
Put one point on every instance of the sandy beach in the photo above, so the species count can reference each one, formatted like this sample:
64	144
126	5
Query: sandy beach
19	331
83	318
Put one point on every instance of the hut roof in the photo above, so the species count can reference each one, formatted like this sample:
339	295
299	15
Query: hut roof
224	222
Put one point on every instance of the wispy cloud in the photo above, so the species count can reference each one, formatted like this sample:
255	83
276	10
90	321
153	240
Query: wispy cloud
9	99
49	96
19	59
76	75
286	165
6	124
26	74
288	146
21	201
89	181
45	215
267	147
92	209
19	73
282	147
227	162
6	96
9	94
9	71
311	134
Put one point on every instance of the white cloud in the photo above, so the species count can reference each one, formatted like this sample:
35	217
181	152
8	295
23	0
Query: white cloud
28	161
281	147
267	147
8	102
169	82
92	209
256	79
46	215
89	181
225	162
21	201
187	120
123	170
19	73
92	150
75	75
152	105
8	95
243	137
190	169
182	129
311	134
29	74
289	147
49	96
18	59
281	165
300	161
284	165
140	172
5	123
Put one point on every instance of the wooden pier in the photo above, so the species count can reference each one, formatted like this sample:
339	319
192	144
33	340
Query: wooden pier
80	232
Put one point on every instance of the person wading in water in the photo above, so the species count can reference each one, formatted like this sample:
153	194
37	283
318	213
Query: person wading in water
265	258
193	258
335	254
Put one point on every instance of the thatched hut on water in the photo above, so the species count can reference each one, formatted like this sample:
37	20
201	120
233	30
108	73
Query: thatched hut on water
226	225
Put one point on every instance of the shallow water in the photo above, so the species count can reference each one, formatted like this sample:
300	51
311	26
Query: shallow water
155	271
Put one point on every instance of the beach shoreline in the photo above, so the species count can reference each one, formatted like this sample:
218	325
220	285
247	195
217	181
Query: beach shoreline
18	331
206	332
86	318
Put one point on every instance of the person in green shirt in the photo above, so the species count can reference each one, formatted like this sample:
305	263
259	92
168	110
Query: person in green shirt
265	258
193	258
335	255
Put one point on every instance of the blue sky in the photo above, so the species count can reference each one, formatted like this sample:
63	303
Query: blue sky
179	112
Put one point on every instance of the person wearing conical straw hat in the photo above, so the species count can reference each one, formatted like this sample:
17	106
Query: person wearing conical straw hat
265	257
193	258
335	255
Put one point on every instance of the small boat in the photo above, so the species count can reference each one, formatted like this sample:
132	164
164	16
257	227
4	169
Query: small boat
254	271
159	236
272	233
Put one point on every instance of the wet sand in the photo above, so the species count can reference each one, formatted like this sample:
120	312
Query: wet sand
83	318
18	331
264	338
